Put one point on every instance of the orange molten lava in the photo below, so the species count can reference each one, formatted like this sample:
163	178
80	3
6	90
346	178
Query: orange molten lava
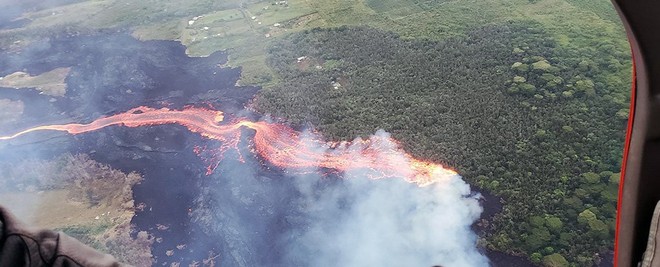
278	144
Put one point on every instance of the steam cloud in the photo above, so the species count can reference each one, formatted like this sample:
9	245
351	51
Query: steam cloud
318	220
387	222
258	218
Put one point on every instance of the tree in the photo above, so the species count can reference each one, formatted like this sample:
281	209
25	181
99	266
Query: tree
541	65
520	67
554	223
598	229
591	177
566	239
493	185
555	260
536	221
551	80
536	145
539	236
519	79
502	241
548	250
585	65
540	133
623	114
574	203
527	88
586	217
586	86
615	178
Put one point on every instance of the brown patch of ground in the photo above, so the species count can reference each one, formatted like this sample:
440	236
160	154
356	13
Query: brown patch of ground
81	197
50	83
55	209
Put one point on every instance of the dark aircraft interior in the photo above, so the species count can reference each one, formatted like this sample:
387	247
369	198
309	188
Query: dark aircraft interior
640	187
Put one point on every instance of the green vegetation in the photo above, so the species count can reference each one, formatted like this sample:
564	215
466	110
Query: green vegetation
468	103
555	260
115	240
49	83
526	98
86	180
270	13
87	233
244	28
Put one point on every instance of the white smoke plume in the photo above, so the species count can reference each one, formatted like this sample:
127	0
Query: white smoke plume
386	222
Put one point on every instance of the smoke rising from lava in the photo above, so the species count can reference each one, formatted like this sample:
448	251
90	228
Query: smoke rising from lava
420	219
277	143
362	222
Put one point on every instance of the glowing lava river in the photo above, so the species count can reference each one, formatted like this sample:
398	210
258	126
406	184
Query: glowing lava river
273	194
277	143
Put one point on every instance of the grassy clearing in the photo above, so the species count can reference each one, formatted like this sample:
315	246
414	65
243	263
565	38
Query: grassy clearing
169	30
243	28
602	8
270	14
50	83
78	13
390	5
221	16
244	32
583	29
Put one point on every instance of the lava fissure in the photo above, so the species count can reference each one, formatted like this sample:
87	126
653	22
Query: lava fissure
277	143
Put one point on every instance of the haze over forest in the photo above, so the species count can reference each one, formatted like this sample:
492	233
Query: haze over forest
527	100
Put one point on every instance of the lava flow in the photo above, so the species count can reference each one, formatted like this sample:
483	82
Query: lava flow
277	143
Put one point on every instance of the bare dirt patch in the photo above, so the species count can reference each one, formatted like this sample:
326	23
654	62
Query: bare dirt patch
55	209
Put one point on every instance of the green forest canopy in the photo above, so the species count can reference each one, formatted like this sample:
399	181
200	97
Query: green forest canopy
515	113
526	98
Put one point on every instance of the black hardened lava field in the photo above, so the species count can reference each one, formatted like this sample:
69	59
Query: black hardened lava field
242	189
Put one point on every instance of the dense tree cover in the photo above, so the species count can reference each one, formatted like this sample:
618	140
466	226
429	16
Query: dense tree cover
537	124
